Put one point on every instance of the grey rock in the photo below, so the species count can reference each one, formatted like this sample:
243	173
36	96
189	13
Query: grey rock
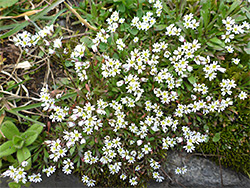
202	173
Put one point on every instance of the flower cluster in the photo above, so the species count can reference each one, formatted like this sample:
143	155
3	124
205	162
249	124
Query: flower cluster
114	21
181	170
210	70
16	174
81	68
172	30
158	5
78	51
36	178
120	44
88	181
49	171
232	29
27	40
19	174
140	68
57	151
68	166
227	85
190	22
147	20
49	104
72	138
111	67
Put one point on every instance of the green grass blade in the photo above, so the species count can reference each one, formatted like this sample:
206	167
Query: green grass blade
233	7
24	117
57	15
28	107
33	18
5	27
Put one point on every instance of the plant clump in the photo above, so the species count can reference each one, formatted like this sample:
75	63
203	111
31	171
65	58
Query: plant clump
143	85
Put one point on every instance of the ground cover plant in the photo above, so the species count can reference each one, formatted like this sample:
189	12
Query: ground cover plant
144	78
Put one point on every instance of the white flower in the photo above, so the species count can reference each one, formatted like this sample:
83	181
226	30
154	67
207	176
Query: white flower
123	176
133	181
94	48
85	179
235	61
242	95
121	20
58	43
35	178
83	141
24	163
66	170
184	170
137	168
229	49
139	142
120	83
136	39
91	183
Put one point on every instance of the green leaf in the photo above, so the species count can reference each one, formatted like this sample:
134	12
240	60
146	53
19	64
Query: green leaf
91	143
189	87
87	41
29	137
7	148
214	46
152	139
160	27
217	41
243	9
9	130
233	7
7	3
5	27
14	185
192	80
129	4
216	137
167	10
15	85
139	13
103	47
36	127
240	18
54	18
205	16
223	9
121	7
24	155
18	142
93	10
247	50
206	127
11	159
68	63
133	31
46	154
72	150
